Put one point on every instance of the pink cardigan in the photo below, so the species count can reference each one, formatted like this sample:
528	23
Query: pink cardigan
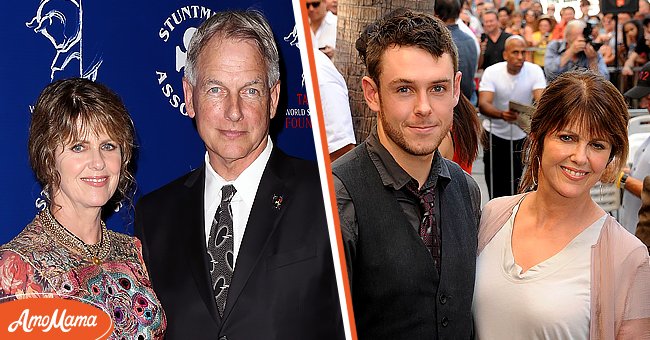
620	275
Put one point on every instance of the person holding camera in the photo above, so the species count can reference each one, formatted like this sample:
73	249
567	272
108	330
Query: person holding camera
572	53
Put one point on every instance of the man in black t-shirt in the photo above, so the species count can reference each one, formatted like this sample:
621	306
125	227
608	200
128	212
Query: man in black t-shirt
492	41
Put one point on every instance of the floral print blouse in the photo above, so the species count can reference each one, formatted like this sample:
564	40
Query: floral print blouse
36	262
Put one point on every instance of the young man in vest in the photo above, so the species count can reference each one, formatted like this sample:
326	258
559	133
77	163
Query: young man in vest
409	217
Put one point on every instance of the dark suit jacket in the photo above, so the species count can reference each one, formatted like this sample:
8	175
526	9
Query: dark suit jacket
283	286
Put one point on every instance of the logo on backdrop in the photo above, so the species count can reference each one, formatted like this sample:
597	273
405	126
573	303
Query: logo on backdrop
292	39
61	22
297	117
175	33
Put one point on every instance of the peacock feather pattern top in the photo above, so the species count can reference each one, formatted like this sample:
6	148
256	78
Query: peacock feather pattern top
37	261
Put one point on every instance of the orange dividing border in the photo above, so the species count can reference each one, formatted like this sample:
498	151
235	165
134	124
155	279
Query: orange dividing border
327	163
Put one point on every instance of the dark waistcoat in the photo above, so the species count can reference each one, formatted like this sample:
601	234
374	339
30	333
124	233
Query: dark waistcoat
397	293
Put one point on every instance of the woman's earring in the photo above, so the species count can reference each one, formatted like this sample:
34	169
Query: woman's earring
534	181
539	166
118	206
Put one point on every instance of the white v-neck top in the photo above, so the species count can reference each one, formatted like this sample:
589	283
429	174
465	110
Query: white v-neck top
549	301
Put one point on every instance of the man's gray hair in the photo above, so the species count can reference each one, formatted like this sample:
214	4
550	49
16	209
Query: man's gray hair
249	25
572	26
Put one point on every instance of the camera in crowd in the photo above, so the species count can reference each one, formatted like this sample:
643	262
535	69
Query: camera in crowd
588	38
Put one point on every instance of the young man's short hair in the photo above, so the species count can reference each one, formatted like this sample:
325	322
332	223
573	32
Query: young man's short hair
403	27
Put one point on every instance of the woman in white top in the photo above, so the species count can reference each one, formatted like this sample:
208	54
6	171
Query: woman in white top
551	263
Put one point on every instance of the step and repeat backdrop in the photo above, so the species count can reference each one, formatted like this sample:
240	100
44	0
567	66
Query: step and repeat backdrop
137	48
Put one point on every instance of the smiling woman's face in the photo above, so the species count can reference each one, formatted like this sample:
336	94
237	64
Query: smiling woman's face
572	162
89	170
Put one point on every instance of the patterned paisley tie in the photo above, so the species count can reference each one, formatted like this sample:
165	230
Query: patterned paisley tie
220	248
428	228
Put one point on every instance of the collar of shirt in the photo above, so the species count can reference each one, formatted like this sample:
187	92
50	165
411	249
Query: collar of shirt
330	17
246	185
562	45
392	174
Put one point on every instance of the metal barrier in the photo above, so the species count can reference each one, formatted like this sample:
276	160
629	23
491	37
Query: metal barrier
607	195
490	179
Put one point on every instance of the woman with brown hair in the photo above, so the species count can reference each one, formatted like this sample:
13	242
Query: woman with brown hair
551	263
540	38
461	143
81	143
530	25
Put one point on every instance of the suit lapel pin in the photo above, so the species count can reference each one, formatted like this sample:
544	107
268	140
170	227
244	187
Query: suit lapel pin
277	201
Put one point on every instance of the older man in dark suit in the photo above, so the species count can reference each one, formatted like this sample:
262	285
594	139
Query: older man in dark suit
238	249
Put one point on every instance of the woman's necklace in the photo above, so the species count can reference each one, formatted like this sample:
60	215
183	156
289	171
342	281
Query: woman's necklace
95	253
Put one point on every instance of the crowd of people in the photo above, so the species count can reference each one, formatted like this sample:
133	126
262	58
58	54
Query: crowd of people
554	44
539	27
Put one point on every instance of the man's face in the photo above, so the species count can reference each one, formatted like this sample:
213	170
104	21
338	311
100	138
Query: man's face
644	8
623	17
480	8
568	14
316	9
515	55
414	101
504	18
646	34
490	23
231	102
608	22
550	10
575	36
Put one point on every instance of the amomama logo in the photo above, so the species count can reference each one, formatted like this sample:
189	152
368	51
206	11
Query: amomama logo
44	317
